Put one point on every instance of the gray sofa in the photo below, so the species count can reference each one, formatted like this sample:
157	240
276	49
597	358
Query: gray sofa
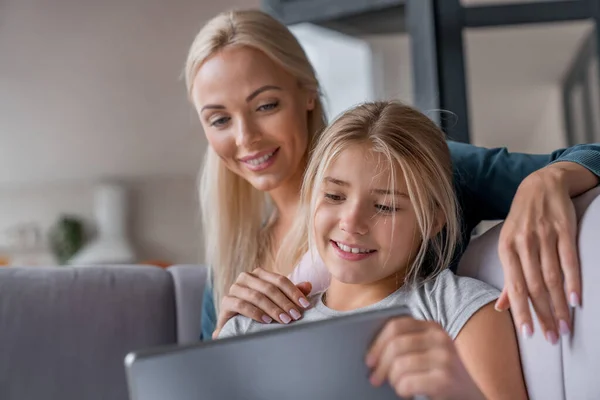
570	370
64	332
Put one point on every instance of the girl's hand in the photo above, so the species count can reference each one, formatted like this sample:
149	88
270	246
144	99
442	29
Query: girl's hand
265	297
418	358
538	249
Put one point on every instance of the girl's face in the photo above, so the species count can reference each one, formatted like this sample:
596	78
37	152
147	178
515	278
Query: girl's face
359	235
254	115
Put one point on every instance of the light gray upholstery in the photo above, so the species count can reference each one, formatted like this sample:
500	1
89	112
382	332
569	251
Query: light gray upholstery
189	281
570	370
64	331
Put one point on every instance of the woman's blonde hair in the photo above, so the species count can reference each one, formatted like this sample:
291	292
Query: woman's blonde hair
413	146
233	211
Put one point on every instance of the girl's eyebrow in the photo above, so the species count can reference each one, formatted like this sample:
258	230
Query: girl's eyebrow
336	181
389	192
386	192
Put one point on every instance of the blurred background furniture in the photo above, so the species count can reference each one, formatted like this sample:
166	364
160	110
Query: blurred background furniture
64	332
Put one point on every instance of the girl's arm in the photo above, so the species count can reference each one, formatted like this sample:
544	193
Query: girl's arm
487	346
419	358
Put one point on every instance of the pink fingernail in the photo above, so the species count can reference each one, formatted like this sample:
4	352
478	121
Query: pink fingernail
285	318
564	327
295	314
551	337
267	319
304	302
574	300
526	331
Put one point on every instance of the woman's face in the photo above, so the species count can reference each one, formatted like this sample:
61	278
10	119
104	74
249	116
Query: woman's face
361	234
254	115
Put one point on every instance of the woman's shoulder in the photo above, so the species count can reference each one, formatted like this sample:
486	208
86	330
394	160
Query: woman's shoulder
311	269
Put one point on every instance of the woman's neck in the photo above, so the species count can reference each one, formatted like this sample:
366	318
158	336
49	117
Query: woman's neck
342	296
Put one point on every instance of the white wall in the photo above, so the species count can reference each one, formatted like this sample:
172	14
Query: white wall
90	90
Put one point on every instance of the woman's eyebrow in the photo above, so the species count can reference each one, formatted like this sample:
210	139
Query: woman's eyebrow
260	90
250	97
388	192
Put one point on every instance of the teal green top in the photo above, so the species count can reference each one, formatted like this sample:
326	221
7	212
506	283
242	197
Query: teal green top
485	181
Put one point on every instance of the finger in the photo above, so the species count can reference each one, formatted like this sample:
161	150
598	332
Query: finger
403	348
233	305
517	289
258	305
529	253
280	305
285	286
386	342
503	303
432	383
411	363
555	284
569	260
305	287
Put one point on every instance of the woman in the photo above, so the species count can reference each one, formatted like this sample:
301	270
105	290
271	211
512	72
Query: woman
259	103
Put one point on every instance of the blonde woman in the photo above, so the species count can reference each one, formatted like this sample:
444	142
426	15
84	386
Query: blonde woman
379	208
258	100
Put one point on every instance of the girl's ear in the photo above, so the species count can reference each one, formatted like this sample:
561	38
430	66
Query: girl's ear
310	100
439	223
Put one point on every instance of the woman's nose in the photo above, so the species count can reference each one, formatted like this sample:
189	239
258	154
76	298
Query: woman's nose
247	133
354	220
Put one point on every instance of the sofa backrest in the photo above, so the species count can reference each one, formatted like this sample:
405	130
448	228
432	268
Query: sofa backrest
65	331
568	370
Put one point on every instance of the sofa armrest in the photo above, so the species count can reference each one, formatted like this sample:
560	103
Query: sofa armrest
189	282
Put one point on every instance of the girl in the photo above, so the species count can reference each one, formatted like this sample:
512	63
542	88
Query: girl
259	103
378	206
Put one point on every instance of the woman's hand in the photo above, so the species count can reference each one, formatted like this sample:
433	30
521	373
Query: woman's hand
263	296
538	249
419	358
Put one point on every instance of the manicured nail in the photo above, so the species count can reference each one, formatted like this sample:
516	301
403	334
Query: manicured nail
551	337
304	302
295	314
574	300
526	331
267	319
564	327
497	308
285	318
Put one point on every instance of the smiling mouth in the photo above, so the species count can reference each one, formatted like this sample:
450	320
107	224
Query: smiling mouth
255	162
353	250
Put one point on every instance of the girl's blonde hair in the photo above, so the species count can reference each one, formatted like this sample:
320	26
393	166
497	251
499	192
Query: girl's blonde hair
412	145
233	211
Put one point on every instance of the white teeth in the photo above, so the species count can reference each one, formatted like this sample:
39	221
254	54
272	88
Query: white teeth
260	160
353	250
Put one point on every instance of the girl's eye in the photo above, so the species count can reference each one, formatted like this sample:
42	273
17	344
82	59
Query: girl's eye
333	197
386	209
268	107
219	121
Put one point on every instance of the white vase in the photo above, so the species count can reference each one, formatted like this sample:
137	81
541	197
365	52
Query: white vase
111	245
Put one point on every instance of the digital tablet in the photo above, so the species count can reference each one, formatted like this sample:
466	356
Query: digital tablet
302	361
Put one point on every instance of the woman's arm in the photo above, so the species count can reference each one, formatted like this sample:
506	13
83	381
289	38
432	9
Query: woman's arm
487	345
208	319
419	358
537	245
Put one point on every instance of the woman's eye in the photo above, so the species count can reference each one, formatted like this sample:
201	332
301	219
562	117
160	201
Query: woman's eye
333	197
219	121
386	209
268	107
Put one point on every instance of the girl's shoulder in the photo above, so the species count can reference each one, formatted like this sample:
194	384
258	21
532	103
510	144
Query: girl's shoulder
451	300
